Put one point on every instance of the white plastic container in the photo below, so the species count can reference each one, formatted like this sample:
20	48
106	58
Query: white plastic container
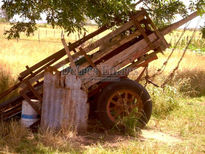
28	115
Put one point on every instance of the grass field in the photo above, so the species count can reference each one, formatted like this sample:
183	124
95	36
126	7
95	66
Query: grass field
176	126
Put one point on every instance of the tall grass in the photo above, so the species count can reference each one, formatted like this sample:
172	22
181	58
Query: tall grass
16	139
165	100
6	81
191	82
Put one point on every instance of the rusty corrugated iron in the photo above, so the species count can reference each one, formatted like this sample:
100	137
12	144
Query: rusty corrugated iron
64	103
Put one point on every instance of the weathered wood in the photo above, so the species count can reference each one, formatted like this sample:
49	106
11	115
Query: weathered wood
133	56
142	31
176	25
96	56
33	105
36	94
101	53
72	63
140	63
123	58
8	91
62	52
106	38
90	61
156	31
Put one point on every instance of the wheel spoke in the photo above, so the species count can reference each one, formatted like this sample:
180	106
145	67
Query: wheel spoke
122	103
116	103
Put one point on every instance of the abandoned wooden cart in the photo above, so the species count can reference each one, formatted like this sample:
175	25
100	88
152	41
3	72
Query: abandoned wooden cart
103	67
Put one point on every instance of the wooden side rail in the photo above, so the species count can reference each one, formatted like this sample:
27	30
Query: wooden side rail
62	52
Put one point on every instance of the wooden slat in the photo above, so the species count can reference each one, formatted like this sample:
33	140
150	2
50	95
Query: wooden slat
36	94
33	105
139	63
157	31
142	31
139	48
61	53
100	54
72	63
176	25
133	56
113	34
90	61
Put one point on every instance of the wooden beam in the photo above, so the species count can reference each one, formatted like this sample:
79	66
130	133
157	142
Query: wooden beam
62	52
72	63
176	25
36	94
33	105
106	38
140	63
90	61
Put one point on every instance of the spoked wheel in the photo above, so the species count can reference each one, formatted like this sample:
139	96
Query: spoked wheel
119	99
122	102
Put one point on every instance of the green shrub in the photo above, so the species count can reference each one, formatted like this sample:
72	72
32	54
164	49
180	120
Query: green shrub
130	123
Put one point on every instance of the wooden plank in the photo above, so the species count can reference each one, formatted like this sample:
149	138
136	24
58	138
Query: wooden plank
33	105
36	94
176	25
72	63
90	61
142	31
157	31
139	48
113	34
100	54
62	52
8	91
133	56
127	69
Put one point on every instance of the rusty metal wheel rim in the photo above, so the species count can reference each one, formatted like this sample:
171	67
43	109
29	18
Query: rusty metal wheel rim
122	102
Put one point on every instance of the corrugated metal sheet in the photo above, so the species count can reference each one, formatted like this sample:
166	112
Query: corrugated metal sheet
64	103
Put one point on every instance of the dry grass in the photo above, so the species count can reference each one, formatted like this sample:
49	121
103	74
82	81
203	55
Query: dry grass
14	56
